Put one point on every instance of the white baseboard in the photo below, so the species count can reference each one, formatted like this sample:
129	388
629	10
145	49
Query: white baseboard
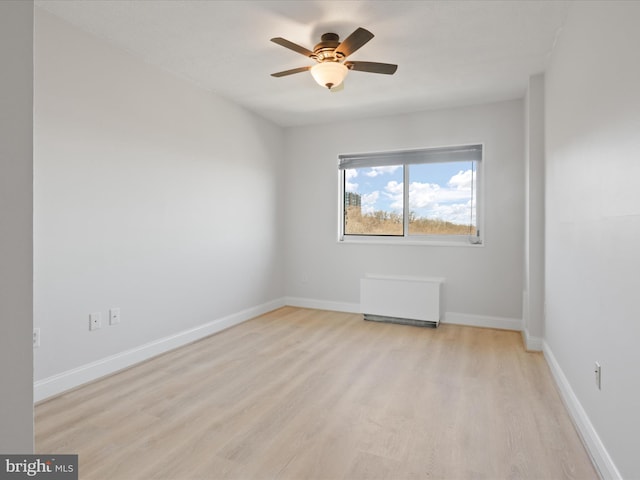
322	304
64	381
75	377
449	317
485	321
531	343
588	434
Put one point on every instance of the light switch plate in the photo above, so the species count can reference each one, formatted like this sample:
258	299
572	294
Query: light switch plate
114	316
95	321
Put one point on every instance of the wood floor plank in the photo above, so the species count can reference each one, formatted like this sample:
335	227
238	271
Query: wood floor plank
309	394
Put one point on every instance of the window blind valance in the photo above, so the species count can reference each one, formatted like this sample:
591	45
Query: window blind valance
411	157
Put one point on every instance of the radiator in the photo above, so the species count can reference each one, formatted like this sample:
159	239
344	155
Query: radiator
400	299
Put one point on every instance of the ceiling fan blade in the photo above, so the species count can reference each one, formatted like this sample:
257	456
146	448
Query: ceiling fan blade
372	67
290	72
354	41
292	46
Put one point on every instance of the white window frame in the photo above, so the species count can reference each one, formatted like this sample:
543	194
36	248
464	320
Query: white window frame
406	239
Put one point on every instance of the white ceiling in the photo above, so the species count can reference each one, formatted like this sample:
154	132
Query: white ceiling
450	53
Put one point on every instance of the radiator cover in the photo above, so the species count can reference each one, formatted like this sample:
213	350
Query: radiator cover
398	298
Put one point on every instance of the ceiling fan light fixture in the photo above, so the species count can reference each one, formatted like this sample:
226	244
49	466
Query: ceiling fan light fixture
331	69
329	74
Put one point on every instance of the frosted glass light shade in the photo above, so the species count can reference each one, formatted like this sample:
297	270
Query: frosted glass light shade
329	74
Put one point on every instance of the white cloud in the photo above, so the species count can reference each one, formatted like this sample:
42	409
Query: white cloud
455	213
368	202
458	189
348	175
450	203
375	171
423	195
395	192
394	187
461	181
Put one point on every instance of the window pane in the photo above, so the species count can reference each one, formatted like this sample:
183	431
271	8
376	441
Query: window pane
442	198
373	201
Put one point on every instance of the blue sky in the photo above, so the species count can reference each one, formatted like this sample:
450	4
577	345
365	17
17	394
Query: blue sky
436	190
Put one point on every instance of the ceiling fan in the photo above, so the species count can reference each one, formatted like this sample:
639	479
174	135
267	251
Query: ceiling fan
330	55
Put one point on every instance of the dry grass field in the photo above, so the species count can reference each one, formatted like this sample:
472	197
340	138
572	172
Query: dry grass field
389	223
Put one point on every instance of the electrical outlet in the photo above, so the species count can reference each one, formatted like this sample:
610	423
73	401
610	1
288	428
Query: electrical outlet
95	321
114	316
36	337
598	373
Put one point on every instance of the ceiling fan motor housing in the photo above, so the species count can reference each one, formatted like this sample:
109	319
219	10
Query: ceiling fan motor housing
325	51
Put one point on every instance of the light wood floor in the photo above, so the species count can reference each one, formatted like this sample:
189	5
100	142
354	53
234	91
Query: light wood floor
307	394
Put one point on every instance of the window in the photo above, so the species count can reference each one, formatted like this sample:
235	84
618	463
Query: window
439	204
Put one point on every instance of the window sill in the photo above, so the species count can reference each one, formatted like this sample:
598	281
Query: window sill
408	242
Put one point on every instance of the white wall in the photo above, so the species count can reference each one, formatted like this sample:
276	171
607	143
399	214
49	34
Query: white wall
16	228
484	281
150	195
533	296
593	220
